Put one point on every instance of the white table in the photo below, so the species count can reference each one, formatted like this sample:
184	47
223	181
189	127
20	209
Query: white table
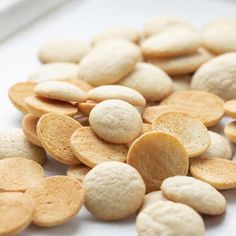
82	19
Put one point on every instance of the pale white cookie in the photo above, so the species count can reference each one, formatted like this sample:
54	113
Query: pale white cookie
193	192
170	219
153	83
114	190
115	121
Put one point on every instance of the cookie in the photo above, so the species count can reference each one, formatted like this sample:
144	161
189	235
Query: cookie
169	218
210	75
189	131
18	92
219	173
230	131
114	191
115	121
63	50
162	45
39	106
57	200
195	193
54	132
61	91
205	106
17	174
108	62
91	150
106	92
84	86
16	212
14	144
86	107
153	83
157	156
183	64
28	125
78	171
230	108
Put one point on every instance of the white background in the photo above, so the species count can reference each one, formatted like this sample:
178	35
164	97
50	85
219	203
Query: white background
83	19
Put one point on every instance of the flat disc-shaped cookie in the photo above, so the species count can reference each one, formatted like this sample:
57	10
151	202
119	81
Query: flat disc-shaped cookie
230	131
78	171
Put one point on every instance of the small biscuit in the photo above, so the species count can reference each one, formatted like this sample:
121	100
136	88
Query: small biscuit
39	106
115	121
153	83
61	91
28	125
157	156
162	45
205	106
189	131
230	108
114	190
182	82
78	172
91	150
197	194
219	173
54	132
17	174
230	131
86	107
14	144
106	92
63	50
57	200
16	213
169	218
18	92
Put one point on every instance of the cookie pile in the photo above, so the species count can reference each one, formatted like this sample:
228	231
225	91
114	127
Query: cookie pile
129	114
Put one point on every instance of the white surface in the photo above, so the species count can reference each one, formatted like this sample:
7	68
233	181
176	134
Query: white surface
84	18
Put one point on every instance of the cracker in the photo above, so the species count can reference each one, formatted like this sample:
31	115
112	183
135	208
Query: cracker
78	171
230	108
189	131
39	106
114	190
54	132
230	131
197	194
157	156
86	107
18	92
91	150
16	213
57	200
219	173
17	174
205	106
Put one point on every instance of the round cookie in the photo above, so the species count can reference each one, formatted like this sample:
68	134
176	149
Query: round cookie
63	50
197	194
230	131
106	92
117	32
91	150
157	156
17	174
153	83
78	172
114	190
14	144
181	82
189	131
39	106
169	218
18	92
205	106
217	76
162	45
183	64
115	121
61	91
28	125
86	107
230	108
54	71
57	200
16	212
109	62
219	173
54	132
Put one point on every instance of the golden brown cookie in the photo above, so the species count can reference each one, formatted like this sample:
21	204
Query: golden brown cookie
230	131
78	171
86	107
230	108
54	132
